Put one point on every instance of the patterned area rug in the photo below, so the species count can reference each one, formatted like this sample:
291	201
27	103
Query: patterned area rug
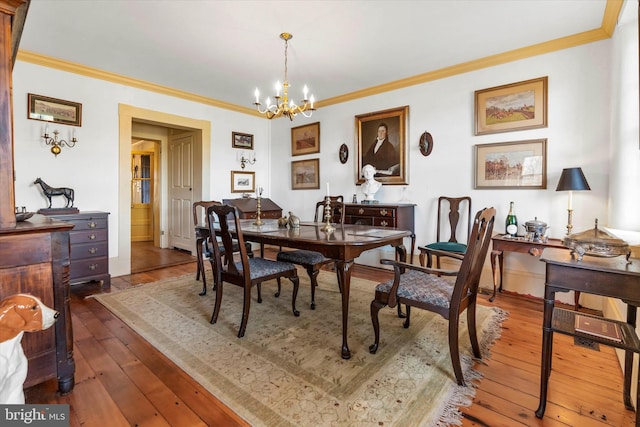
287	371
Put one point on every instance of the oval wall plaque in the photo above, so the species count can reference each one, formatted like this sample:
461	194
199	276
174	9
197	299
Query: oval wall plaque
426	143
343	153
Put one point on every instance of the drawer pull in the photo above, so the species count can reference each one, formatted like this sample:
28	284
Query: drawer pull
384	212
361	211
92	237
92	267
384	223
92	224
93	250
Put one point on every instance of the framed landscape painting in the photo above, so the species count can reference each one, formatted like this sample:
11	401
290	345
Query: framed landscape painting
242	140
512	107
54	110
305	174
305	139
518	164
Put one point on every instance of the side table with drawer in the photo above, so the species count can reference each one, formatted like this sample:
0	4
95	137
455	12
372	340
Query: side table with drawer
89	240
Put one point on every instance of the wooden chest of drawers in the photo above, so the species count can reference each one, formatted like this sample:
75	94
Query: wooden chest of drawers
89	241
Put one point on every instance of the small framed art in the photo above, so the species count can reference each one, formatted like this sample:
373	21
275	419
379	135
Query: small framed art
54	110
305	139
242	140
243	182
305	174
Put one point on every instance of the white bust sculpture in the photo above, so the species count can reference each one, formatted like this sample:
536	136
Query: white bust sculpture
370	186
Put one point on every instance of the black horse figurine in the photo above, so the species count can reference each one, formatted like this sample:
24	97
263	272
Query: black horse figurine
50	192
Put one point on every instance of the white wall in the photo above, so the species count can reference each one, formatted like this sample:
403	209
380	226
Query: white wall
578	135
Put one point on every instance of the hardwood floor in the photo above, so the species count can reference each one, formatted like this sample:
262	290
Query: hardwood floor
122	380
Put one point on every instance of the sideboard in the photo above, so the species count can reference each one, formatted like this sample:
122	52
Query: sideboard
34	259
394	215
89	246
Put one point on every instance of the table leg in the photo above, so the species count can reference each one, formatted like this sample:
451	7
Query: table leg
628	361
547	344
496	255
344	274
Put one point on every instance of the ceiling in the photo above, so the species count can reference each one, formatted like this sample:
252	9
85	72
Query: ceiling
223	50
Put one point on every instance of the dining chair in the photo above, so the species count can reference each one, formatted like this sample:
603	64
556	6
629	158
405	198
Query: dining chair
430	289
312	261
455	206
247	272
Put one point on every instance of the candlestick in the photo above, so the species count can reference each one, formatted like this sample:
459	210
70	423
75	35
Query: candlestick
328	191
327	227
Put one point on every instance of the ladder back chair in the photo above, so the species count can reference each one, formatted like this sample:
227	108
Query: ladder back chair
429	289
312	261
247	272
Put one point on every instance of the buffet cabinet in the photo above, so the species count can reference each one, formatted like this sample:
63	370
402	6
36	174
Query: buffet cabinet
394	215
89	246
34	259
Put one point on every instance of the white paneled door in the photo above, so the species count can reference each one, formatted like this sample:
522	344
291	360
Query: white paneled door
181	190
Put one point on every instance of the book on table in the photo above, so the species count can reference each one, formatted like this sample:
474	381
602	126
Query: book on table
599	327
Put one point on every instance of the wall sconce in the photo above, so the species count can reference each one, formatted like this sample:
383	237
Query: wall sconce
572	179
57	144
244	160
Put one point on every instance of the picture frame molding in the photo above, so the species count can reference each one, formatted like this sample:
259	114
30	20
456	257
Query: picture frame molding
540	92
235	185
480	164
236	140
295	167
35	112
299	131
366	127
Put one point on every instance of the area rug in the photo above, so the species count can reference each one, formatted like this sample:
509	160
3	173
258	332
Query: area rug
287	371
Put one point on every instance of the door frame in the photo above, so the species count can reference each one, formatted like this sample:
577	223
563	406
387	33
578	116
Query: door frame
121	263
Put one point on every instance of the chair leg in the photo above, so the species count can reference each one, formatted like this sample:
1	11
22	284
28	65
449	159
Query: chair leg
277	294
216	306
313	276
407	320
471	325
454	351
339	282
296	283
246	305
199	258
375	308
259	286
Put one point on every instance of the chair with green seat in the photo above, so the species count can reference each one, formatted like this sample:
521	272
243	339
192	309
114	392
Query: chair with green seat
457	206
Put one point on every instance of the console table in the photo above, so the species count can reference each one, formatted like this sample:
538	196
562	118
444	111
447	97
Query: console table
502	243
395	215
611	277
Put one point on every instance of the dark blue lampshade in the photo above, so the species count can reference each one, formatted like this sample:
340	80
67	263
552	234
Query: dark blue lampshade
572	179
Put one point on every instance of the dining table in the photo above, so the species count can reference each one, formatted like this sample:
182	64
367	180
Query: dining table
344	244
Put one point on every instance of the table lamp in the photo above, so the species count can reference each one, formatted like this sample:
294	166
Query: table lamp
572	179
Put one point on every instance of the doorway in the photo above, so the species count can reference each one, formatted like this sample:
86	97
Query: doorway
130	119
142	195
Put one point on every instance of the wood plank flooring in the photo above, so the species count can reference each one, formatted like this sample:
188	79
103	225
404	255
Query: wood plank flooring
122	380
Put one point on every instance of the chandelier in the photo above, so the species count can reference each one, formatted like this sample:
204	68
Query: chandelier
282	106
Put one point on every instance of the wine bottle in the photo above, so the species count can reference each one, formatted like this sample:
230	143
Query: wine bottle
511	224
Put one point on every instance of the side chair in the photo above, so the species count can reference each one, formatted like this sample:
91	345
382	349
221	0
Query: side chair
456	206
247	272
312	261
428	289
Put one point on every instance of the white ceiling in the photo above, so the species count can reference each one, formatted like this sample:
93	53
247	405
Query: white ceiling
225	49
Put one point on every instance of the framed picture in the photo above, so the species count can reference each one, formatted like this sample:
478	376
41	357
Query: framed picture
305	139
242	140
243	182
54	110
516	106
518	164
305	174
382	143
